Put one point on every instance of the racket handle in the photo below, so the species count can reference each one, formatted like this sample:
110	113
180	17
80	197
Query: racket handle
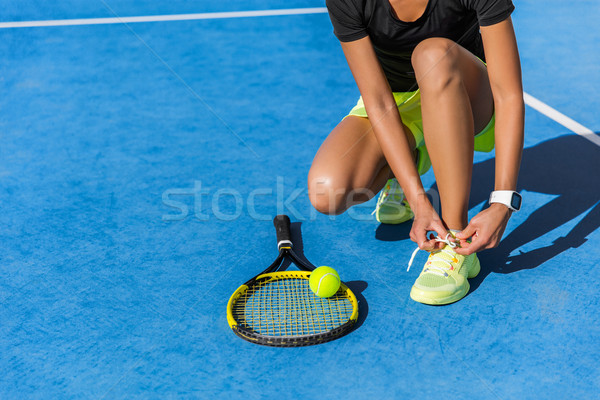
282	226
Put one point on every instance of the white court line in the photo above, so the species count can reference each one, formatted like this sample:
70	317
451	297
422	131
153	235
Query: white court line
561	118
161	18
531	101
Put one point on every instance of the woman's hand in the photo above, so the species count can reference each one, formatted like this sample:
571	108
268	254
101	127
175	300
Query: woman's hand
427	220
485	230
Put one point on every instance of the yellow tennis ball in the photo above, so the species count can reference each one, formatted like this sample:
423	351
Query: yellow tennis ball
324	281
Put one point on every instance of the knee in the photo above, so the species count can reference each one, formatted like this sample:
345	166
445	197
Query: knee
325	195
435	62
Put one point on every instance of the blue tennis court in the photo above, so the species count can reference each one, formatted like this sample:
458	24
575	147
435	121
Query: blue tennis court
142	163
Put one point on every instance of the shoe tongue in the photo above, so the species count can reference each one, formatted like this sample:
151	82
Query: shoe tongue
449	255
453	232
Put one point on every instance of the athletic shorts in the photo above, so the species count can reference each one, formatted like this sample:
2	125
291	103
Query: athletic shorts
409	106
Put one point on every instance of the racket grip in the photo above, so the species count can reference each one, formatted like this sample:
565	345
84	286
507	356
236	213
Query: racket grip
282	227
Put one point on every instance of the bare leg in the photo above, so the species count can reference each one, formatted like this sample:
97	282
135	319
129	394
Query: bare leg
456	104
349	167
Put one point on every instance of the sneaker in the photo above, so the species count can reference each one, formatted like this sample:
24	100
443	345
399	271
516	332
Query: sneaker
392	207
444	276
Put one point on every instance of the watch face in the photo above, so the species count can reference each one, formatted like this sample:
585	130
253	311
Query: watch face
515	201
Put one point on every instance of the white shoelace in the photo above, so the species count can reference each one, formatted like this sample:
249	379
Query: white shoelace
435	267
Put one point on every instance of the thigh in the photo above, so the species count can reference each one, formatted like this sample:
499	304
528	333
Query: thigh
349	159
438	60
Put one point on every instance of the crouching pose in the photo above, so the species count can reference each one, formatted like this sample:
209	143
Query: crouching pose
438	79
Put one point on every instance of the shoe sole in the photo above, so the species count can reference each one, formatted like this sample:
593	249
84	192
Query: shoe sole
421	296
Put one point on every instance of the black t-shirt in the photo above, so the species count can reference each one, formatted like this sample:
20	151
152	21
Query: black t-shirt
394	40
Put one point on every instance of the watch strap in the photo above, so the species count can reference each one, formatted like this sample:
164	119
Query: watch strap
509	198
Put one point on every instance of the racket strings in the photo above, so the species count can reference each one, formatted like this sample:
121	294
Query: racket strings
287	307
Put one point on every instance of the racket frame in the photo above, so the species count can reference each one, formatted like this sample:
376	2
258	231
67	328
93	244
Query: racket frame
285	245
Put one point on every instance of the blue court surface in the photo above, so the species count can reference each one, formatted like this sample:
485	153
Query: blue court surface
141	165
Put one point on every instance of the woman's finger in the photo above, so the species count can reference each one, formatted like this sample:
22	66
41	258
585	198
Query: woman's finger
469	231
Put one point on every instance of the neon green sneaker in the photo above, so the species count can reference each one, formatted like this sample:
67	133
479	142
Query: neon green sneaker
392	207
444	276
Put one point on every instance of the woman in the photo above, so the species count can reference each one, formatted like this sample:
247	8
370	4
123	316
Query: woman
438	79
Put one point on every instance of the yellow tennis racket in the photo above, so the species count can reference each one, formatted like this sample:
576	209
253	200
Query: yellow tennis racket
277	308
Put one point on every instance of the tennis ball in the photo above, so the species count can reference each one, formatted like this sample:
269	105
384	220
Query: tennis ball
324	281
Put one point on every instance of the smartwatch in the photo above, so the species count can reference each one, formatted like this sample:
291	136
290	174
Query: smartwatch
509	198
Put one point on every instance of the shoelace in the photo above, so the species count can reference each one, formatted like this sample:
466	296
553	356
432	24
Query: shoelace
393	190
435	267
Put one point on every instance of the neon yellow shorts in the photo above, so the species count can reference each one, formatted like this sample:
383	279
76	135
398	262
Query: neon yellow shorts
409	106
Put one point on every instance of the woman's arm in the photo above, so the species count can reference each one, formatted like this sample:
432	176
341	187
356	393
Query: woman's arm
390	133
504	72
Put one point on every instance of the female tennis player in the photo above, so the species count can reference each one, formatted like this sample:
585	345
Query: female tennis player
438	79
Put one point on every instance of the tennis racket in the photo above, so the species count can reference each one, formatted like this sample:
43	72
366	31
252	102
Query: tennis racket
278	308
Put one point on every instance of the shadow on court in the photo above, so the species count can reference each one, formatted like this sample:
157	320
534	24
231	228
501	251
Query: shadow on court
357	287
566	167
